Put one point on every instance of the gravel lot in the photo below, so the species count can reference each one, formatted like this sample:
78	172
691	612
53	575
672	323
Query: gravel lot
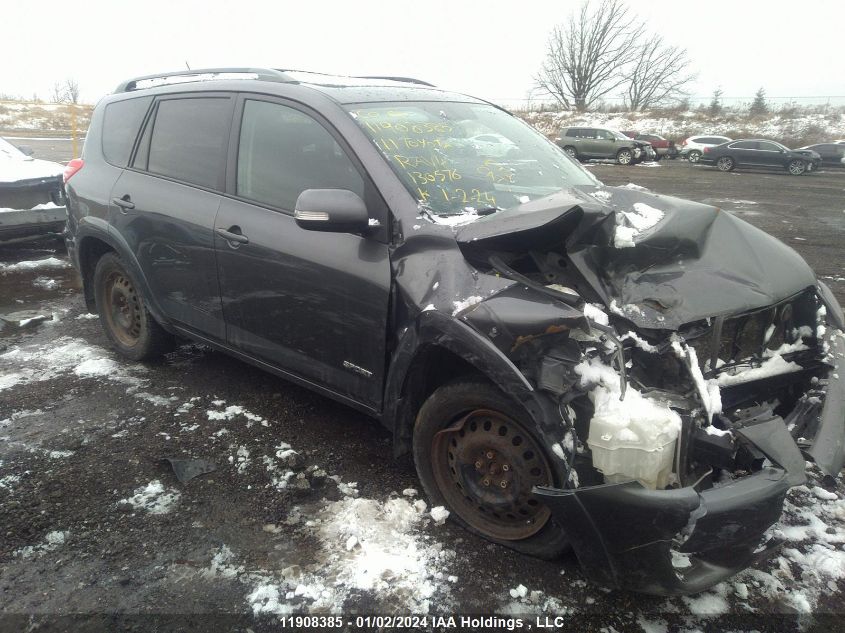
93	521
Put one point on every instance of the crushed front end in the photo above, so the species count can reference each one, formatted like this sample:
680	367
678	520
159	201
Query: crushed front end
711	367
679	482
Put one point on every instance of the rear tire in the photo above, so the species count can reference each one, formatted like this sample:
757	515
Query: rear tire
477	455
571	151
123	312
694	156
625	157
726	163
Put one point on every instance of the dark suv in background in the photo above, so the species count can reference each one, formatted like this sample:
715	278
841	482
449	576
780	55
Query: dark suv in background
590	143
567	362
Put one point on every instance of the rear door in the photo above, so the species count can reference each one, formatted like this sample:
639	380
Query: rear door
165	203
744	152
314	304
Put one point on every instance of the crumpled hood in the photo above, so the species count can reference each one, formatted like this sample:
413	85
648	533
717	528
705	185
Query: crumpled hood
696	262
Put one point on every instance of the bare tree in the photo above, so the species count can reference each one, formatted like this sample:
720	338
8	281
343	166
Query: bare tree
57	94
66	91
72	91
585	55
658	75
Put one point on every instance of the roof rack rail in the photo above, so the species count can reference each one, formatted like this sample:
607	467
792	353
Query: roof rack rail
409	80
265	74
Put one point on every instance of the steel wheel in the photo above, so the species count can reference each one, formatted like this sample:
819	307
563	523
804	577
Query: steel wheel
797	167
725	163
124	309
694	156
624	157
485	465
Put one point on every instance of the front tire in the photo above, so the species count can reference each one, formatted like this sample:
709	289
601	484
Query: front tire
476	453
571	151
123	311
796	167
625	157
726	163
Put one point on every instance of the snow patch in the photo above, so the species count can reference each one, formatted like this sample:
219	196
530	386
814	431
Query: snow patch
153	498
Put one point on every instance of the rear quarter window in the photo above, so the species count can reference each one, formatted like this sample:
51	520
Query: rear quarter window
121	122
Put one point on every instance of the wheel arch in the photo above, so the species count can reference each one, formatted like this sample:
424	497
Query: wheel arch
437	350
91	245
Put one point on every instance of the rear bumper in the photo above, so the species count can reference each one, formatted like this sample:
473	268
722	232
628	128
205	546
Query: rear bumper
24	223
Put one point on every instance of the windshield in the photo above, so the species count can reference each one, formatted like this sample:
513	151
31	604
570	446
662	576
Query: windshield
461	158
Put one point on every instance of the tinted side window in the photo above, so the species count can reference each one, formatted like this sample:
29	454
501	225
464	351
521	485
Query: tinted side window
572	131
189	140
121	121
745	145
282	152
769	147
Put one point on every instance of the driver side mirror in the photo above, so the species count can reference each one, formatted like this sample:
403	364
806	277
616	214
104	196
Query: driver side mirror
331	210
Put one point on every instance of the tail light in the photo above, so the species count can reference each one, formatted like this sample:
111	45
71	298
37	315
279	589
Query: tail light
684	143
72	167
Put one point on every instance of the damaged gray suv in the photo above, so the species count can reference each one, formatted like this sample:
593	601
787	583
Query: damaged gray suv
634	376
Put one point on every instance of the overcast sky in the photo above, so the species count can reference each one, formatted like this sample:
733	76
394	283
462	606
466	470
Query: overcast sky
489	49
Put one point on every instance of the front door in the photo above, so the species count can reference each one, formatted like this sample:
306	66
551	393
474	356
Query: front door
314	304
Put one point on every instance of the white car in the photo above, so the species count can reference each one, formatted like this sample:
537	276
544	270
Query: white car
693	147
31	198
493	145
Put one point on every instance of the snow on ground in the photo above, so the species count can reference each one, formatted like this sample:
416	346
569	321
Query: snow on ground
49	262
29	363
153	498
52	541
364	545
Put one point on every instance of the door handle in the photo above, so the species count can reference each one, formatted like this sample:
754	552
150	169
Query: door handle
233	235
124	203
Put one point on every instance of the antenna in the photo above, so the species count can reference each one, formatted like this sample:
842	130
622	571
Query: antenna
186	65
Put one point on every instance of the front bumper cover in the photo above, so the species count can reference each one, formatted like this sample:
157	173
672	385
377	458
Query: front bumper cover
624	534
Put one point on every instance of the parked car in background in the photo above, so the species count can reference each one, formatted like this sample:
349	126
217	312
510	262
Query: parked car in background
760	153
693	147
832	154
493	145
664	148
570	365
592	143
31	202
